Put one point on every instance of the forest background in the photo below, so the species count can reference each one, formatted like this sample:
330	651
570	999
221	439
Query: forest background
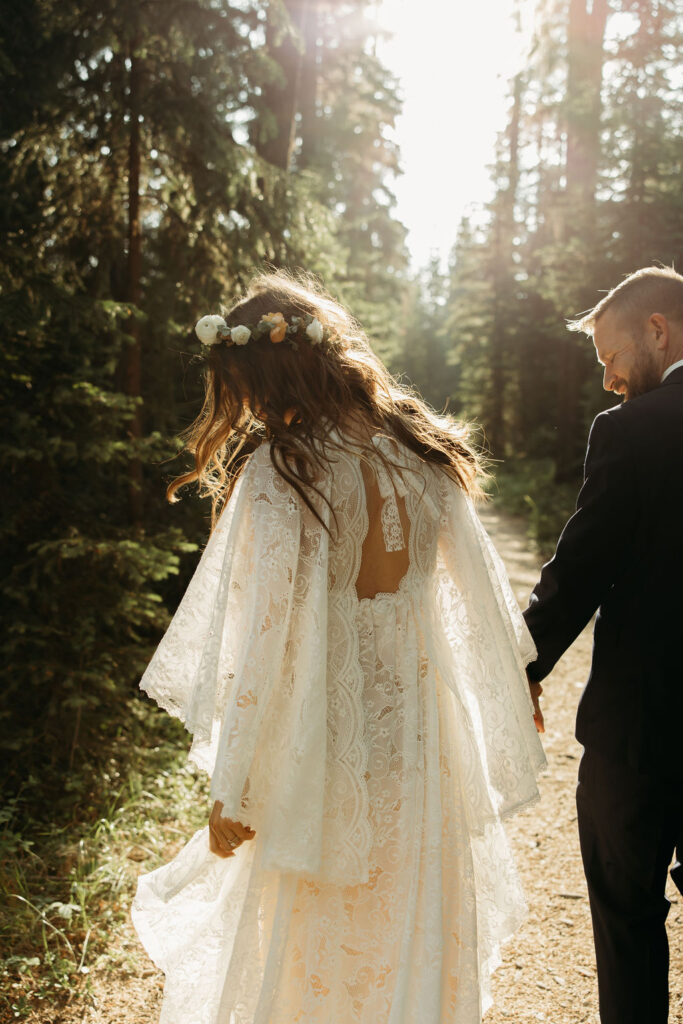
155	154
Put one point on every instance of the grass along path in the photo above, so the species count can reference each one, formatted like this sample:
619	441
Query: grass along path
68	951
84	965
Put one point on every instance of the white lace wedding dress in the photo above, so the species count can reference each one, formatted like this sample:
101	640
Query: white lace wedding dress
360	701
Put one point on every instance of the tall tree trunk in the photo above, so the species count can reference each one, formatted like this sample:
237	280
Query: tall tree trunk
587	21
133	354
309	88
503	234
281	98
274	131
586	31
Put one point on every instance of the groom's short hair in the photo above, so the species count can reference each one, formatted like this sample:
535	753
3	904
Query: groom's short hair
646	291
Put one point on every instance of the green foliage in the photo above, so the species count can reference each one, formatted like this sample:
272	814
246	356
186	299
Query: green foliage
422	331
66	884
528	488
79	593
137	192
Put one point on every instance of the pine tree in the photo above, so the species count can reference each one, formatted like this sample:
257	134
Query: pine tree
582	111
641	181
593	149
334	102
133	199
423	334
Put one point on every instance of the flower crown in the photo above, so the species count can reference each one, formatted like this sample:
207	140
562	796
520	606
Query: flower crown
212	330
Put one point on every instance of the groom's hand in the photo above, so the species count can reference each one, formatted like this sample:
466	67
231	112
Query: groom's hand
536	690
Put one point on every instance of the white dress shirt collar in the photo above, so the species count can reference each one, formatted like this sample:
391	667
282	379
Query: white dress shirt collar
670	369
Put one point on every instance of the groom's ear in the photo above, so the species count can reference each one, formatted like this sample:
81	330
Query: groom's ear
658	327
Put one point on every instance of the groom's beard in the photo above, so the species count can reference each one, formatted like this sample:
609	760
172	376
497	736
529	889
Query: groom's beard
644	375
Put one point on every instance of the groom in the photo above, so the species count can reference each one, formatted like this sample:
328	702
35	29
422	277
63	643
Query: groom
621	554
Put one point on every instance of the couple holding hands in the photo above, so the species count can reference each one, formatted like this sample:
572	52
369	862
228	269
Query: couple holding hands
364	690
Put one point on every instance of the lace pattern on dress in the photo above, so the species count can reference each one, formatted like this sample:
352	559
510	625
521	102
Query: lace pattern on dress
347	833
374	744
262	662
391	520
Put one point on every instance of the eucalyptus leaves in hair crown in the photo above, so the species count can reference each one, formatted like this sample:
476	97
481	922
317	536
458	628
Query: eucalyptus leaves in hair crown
213	330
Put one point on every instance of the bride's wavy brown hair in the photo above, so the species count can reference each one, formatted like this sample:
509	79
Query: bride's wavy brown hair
252	391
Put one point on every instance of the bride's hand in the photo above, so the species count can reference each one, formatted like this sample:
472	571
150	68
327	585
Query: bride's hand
536	691
226	835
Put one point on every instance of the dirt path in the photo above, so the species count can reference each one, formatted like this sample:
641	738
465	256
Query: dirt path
548	972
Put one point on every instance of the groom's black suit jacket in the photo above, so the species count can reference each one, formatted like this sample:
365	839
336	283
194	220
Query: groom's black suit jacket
621	554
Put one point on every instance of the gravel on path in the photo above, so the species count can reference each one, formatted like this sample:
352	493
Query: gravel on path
548	970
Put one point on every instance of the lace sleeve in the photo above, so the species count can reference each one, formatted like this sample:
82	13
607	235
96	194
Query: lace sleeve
507	602
263	575
490	646
243	665
172	676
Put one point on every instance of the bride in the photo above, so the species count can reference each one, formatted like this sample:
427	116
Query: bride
349	659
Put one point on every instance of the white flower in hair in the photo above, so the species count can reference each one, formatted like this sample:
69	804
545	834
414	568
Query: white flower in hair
315	331
206	329
240	335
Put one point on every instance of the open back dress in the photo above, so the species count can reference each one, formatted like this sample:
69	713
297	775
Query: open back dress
359	698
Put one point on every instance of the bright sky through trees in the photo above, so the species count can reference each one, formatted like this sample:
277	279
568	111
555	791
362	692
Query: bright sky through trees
453	61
